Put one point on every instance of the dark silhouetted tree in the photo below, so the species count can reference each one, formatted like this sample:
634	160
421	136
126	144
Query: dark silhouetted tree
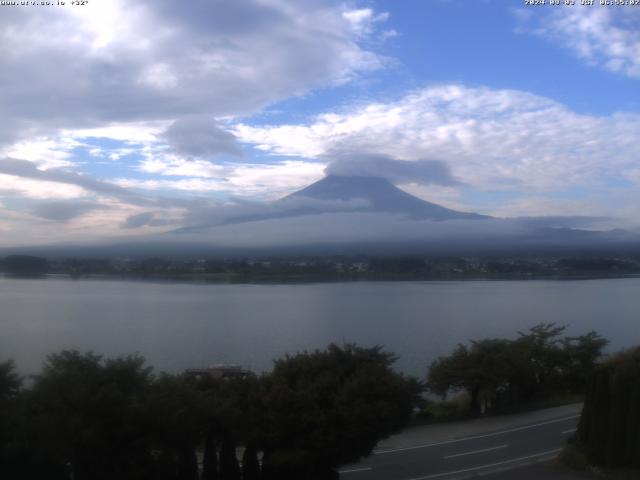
229	467
174	412
210	458
543	347
10	382
10	427
187	463
486	371
581	358
609	428
86	417
328	408
250	464
504	372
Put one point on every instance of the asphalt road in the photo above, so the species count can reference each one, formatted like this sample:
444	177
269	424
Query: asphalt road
474	455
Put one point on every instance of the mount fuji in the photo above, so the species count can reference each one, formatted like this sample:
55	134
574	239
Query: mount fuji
352	194
378	195
360	214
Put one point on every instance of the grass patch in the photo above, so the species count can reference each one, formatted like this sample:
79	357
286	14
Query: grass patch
572	457
450	410
457	408
539	404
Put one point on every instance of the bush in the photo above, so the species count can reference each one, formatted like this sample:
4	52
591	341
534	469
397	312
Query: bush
573	457
609	427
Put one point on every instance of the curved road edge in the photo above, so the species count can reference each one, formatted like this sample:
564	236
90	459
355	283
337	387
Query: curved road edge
463	449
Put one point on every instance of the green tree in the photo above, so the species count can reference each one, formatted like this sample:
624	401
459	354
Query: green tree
328	408
487	371
250	464
10	382
210	458
10	385
86	417
500	372
609	428
232	412
581	358
173	415
543	347
229	466
558	364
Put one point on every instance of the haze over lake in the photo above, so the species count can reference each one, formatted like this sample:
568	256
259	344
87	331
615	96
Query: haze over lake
176	326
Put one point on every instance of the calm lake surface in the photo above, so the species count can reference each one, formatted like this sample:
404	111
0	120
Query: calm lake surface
177	326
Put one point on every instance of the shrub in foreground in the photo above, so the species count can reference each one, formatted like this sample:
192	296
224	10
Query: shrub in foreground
609	429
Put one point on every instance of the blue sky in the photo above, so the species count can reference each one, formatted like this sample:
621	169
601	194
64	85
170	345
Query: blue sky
483	43
150	109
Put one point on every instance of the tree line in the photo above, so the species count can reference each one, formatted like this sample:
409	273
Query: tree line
307	268
89	417
498	373
94	418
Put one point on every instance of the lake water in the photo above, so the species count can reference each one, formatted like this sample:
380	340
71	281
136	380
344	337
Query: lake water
176	326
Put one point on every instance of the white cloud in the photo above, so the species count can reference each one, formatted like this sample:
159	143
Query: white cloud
148	75
267	181
362	20
171	165
109	63
348	227
273	180
129	132
635	175
449	197
11	185
603	36
491	139
47	152
193	185
159	76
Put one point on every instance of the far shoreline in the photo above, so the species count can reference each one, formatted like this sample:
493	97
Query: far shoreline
230	279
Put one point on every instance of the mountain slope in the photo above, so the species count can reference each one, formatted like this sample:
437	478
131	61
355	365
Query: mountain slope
333	195
378	195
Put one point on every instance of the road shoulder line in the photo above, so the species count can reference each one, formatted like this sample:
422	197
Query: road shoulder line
474	437
489	465
476	451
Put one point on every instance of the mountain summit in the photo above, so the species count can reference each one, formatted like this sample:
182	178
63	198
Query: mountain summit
336	194
370	213
376	195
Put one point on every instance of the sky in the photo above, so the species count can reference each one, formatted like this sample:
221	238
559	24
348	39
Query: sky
124	118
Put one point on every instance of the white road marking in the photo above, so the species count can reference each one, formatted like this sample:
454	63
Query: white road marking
571	430
466	439
476	451
354	470
489	465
